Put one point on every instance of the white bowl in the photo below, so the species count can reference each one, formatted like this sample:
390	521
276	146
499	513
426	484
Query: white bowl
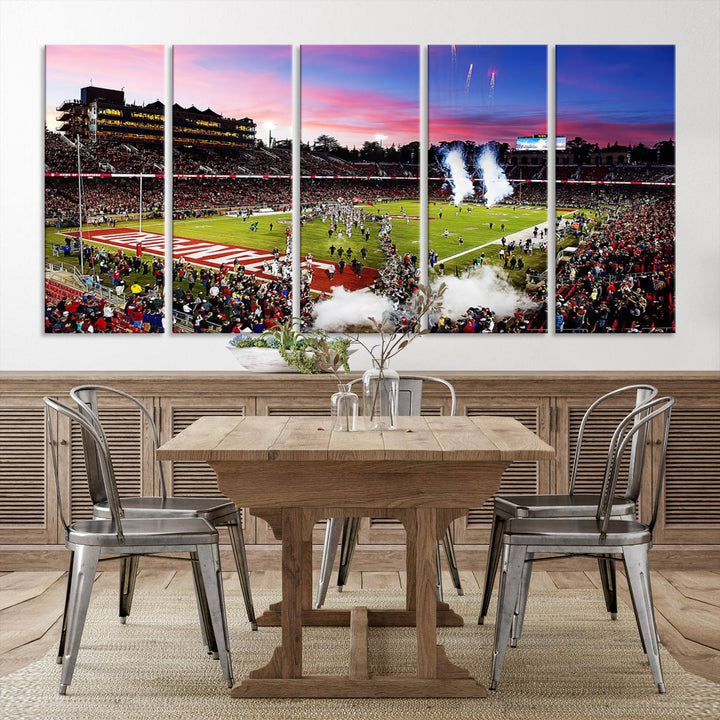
261	360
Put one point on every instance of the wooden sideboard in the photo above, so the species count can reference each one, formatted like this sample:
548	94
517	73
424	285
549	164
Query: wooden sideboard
551	404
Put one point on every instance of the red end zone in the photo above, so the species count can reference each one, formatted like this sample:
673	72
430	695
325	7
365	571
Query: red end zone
211	254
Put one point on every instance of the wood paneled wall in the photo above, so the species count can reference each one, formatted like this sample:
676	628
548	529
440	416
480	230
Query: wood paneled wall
550	404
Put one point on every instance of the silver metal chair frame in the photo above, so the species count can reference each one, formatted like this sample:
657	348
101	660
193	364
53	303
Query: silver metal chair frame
345	530
605	536
125	537
218	511
572	504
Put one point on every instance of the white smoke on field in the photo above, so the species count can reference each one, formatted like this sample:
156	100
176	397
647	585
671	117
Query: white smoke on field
493	177
349	311
453	159
484	288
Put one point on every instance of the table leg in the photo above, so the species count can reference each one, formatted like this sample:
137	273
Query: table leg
292	586
425	598
286	662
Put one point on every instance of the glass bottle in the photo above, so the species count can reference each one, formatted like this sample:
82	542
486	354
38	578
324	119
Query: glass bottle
344	408
381	387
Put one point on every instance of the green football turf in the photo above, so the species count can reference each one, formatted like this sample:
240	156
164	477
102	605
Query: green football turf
473	226
479	237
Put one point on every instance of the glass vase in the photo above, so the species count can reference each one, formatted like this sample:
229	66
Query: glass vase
344	408
381	386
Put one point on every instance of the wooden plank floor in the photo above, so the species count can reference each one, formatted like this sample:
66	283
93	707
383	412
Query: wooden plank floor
687	604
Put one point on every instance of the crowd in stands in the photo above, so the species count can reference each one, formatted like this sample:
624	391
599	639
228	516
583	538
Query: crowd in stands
643	173
101	156
622	279
101	197
231	161
484	320
91	314
316	191
88	313
139	308
228	300
104	155
192	194
120	196
602	196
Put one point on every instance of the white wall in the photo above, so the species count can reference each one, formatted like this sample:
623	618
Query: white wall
692	25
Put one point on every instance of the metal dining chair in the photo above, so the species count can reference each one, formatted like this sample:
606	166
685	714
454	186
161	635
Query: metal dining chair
119	536
572	504
604	535
345	530
218	511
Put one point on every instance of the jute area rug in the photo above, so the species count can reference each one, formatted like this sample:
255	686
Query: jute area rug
573	662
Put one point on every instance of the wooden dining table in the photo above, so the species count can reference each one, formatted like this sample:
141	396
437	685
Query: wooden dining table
294	471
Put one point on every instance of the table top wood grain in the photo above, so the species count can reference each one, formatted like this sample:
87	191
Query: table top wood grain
312	439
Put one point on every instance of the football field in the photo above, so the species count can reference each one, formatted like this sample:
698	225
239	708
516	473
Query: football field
479	227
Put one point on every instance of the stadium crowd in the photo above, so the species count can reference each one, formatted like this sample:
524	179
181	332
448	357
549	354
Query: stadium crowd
142	311
230	300
193	194
313	191
101	156
622	279
102	197
106	155
484	320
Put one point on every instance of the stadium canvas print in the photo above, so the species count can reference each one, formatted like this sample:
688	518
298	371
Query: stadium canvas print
487	187
360	161
232	189
104	200
616	189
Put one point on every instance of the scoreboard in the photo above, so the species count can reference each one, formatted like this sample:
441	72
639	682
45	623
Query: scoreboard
539	142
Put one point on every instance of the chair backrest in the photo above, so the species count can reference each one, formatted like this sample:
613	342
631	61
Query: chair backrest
86	397
100	455
410	393
635	424
643	394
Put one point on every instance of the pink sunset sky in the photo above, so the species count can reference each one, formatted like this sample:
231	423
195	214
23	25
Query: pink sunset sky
238	81
140	69
234	80
356	93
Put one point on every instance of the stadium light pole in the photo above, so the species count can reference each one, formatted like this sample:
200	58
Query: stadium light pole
270	127
82	261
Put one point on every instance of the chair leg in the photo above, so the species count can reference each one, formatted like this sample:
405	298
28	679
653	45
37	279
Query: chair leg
81	583
128	574
206	629
519	617
438	574
209	561
607	577
351	527
449	548
493	560
238	546
510	580
63	631
333	528
638	577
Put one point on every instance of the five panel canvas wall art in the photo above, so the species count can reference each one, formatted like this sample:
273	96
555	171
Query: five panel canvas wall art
379	223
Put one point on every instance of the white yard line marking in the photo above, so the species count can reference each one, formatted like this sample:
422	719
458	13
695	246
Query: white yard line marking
517	236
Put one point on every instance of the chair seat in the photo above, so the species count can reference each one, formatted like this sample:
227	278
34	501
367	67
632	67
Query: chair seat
559	506
148	506
575	532
146	531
